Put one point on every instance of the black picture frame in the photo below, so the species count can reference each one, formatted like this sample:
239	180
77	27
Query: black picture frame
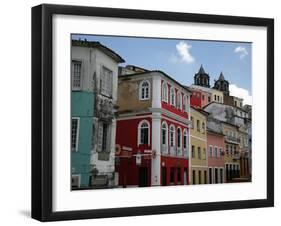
42	108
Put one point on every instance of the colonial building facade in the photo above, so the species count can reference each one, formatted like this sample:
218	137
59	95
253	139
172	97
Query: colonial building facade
216	151
93	97
152	129
199	155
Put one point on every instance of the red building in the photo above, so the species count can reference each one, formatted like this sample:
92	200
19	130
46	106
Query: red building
152	134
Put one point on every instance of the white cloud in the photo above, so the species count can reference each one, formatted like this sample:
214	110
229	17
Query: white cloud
183	50
242	51
241	93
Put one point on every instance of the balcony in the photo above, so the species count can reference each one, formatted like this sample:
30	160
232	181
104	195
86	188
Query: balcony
164	150
236	156
185	153
179	151
173	151
232	139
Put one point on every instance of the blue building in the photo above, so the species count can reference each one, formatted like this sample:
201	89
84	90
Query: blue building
94	71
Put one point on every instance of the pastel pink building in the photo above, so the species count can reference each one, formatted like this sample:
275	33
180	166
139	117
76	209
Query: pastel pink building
215	147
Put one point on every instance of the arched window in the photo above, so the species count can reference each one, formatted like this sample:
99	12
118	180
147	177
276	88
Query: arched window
143	132
165	92
179	100
164	133
179	138
144	90
185	139
172	135
173	97
185	103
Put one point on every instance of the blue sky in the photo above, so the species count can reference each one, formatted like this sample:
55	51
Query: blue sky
181	59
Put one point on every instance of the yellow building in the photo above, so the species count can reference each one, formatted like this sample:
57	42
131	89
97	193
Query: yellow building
232	151
217	96
198	143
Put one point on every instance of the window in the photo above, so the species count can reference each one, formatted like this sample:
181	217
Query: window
185	103
76	75
203	127
198	125
144	91
185	137
165	92
235	103
106	82
204	153
210	151
209	99
231	150
143	132
215	97
164	133
172	135
218	98
216	152
220	152
199	153
192	122
192	151
203	97
205	176
179	100
103	137
172	96
74	133
226	149
179	143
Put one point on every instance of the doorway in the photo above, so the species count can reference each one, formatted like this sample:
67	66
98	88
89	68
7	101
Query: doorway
143	177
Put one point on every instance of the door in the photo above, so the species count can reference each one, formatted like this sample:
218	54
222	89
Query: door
143	177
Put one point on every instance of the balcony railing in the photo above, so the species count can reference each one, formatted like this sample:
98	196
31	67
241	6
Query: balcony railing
185	152
232	139
164	150
173	151
236	156
179	151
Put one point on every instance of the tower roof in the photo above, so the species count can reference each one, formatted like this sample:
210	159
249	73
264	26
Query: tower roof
221	77
201	70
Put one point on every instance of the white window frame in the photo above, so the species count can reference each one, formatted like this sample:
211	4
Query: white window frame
174	133
139	132
179	147
107	93
77	133
220	152
179	100
172	96
72	74
165	92
211	154
216	152
141	88
185	136
166	136
185	103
